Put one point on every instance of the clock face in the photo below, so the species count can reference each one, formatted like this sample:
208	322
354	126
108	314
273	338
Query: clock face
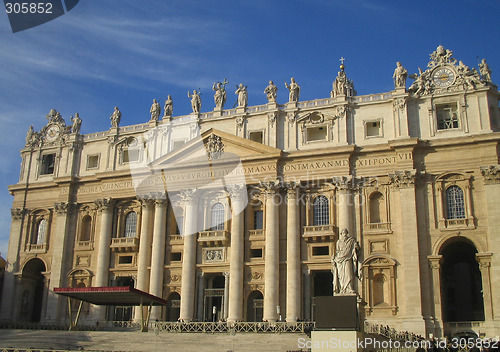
52	133
443	77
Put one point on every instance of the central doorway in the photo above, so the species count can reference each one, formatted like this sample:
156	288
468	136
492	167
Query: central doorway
214	299
255	306
33	285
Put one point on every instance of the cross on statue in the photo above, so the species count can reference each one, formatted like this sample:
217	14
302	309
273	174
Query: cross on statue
342	59
224	83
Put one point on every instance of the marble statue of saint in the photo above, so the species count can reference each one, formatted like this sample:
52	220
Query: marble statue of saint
400	75
195	101
77	124
116	117
271	92
294	89
220	95
155	111
169	106
29	135
242	95
485	71
345	264
340	84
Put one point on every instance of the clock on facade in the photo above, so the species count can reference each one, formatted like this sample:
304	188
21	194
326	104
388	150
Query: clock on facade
443	77
52	133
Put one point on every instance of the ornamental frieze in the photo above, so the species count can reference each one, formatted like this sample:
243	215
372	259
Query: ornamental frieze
491	174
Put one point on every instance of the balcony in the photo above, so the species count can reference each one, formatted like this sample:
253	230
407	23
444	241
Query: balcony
36	248
319	233
256	235
125	244
378	227
84	245
176	239
456	224
213	238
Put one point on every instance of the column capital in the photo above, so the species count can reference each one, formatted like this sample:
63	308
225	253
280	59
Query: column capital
403	179
343	183
237	190
17	213
188	195
147	202
491	174
435	261
104	204
271	116
270	187
61	208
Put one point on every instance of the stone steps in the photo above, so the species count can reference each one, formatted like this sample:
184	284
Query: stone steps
135	341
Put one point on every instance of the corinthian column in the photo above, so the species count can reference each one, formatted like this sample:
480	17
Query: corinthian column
105	208
236	253
144	258
293	282
189	255
271	292
158	254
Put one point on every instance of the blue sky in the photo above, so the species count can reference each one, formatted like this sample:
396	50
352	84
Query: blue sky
125	53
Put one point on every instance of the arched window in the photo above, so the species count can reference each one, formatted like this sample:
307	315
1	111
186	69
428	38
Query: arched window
376	205
218	217
130	225
86	228
455	202
41	232
321	211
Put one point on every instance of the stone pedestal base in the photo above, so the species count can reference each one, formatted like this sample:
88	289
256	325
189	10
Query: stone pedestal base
338	341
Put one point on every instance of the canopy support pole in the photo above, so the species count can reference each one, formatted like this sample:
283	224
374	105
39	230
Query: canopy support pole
73	323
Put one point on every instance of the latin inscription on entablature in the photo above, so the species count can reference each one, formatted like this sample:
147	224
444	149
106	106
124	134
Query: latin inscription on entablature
382	160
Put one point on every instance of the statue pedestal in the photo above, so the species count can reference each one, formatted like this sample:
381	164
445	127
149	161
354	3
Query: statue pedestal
217	112
291	105
241	110
272	106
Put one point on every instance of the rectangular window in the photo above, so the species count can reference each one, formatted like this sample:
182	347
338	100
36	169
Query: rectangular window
125	259
93	161
320	250
316	133
258	220
175	257
130	155
256	253
256	136
447	116
48	163
373	129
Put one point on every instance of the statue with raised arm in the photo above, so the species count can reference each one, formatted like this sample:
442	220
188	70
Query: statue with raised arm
155	111
242	95
220	95
116	117
485	71
400	75
77	124
195	101
345	264
271	92
169	106
294	90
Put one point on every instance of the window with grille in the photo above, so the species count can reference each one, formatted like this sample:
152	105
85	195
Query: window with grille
41	232
455	202
218	217
130	225
321	211
447	116
258	220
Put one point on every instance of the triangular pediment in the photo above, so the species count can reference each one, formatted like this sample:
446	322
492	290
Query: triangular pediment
230	147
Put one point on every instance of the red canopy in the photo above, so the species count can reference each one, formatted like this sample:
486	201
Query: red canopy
111	296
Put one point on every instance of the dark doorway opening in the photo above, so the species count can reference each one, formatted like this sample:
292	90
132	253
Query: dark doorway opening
173	307
33	283
255	306
461	286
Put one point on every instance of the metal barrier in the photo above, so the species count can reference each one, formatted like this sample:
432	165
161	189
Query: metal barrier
209	327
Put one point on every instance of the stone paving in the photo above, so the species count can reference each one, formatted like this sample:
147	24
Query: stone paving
135	341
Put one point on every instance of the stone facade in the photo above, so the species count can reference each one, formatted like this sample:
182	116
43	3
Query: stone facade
238	211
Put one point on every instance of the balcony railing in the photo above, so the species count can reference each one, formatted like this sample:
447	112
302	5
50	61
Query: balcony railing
257	234
125	244
176	239
36	248
213	238
452	224
378	227
84	245
317	233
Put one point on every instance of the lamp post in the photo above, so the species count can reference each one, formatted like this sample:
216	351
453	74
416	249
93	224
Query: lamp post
278	312
214	313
